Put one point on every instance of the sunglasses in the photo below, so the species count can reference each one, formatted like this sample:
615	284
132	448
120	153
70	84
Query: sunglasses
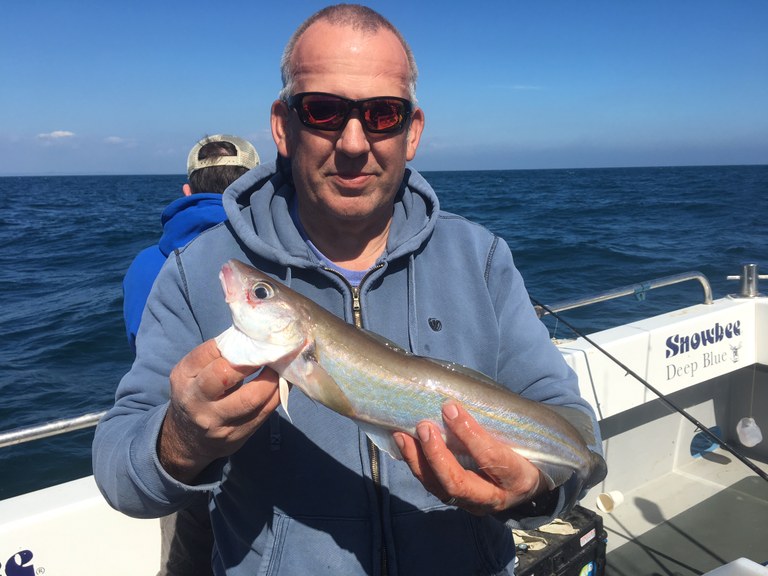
379	115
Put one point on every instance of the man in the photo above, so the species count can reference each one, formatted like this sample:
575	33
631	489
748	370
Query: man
350	226
212	165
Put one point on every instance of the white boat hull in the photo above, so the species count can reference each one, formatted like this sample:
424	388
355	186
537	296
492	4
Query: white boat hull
70	530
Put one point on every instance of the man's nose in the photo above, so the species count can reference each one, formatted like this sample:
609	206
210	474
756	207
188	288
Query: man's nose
353	140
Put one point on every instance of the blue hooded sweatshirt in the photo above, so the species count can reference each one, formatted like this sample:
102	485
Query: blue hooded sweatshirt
308	495
183	219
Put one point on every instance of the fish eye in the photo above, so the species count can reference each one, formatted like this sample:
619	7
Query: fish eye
262	291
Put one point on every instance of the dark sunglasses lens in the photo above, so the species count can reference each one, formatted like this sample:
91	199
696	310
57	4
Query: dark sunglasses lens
384	115
329	112
323	112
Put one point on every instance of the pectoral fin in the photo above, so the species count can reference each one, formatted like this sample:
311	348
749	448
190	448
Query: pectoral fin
382	439
284	389
320	386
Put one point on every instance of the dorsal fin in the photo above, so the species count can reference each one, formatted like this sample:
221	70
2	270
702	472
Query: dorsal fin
386	342
469	372
576	418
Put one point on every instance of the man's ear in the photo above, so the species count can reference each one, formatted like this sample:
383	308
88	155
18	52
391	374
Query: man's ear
279	122
413	137
187	190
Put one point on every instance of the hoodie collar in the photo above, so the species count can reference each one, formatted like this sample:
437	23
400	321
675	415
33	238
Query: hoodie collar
257	205
188	216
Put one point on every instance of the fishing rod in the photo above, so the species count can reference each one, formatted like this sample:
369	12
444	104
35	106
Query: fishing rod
706	431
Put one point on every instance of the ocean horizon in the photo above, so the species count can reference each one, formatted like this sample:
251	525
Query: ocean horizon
182	175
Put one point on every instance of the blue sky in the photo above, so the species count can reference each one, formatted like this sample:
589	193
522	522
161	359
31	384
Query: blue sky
127	87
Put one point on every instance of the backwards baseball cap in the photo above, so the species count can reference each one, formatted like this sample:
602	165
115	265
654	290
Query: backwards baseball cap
246	154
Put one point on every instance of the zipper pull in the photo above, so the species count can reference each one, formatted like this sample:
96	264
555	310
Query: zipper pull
356	314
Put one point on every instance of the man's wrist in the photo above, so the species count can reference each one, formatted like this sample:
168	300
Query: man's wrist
172	453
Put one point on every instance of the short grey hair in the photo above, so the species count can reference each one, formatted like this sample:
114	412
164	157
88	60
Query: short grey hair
359	18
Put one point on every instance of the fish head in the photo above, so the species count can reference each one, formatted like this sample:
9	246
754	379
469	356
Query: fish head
261	311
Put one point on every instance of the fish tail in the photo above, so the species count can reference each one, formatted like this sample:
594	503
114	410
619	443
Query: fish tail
598	470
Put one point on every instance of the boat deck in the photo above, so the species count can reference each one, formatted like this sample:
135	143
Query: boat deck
705	514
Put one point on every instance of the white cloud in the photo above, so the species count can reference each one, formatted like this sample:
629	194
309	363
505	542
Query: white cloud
120	141
56	135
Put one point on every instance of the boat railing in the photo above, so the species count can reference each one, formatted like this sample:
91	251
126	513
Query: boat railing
54	428
638	290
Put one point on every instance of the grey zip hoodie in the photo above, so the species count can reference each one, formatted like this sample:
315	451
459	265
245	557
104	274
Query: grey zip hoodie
308	496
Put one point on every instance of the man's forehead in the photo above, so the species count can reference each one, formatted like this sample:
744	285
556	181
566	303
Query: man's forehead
328	53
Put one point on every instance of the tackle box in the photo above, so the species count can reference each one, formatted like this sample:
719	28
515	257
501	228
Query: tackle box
579	554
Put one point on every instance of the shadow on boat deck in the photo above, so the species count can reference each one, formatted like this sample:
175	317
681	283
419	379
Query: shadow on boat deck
731	524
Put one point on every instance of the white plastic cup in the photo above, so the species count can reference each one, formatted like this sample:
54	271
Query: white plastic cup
749	432
608	501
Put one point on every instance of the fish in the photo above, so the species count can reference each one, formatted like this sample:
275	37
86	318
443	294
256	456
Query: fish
384	388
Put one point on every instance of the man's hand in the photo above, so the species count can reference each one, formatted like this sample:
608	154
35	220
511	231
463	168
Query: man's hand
211	412
504	479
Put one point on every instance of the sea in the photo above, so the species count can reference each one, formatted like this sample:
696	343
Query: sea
66	241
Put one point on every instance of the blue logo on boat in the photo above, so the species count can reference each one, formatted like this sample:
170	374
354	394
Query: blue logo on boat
682	343
20	564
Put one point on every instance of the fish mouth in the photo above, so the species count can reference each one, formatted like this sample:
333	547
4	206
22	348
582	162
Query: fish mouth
227	276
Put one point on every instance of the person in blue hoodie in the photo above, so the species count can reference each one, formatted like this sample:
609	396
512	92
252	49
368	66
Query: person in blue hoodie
212	165
348	223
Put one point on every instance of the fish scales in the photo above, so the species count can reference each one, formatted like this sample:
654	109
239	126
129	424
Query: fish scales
408	400
412	394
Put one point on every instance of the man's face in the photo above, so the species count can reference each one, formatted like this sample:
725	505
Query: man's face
349	175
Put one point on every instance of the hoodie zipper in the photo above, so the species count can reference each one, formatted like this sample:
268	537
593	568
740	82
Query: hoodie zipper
374	454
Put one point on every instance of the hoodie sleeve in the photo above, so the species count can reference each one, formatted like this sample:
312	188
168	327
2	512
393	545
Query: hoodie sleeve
137	284
533	367
125	461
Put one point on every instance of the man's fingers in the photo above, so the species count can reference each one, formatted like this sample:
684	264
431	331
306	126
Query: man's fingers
196	359
208	373
414	456
218	379
259	396
433	464
504	467
501	479
486	451
453	480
